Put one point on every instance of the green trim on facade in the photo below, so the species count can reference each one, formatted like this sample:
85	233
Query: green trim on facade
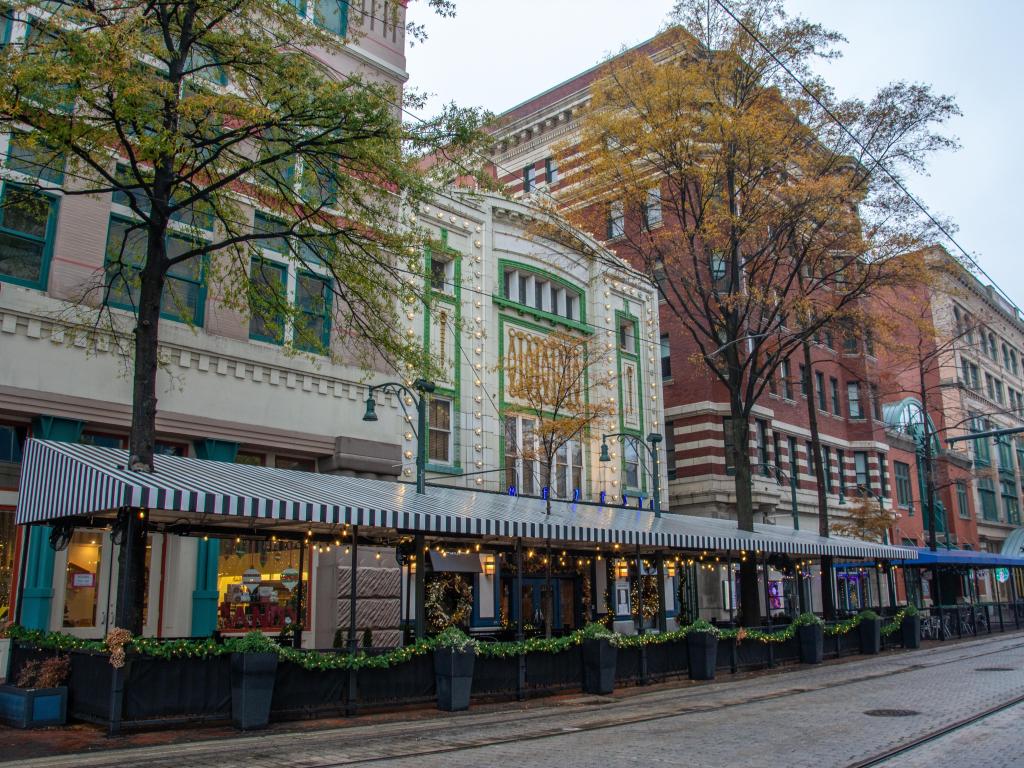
540	314
51	229
205	596
633	357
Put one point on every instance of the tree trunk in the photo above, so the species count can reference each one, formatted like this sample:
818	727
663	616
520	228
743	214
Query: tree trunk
131	585
827	599
750	601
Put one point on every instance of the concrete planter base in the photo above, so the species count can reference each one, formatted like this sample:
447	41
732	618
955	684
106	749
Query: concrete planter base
33	707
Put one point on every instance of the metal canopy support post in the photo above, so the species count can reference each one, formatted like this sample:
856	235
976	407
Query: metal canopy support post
659	560
729	585
768	608
353	570
639	593
518	600
420	624
299	615
548	602
1013	598
937	598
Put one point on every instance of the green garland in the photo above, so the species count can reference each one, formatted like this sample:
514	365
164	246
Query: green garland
318	661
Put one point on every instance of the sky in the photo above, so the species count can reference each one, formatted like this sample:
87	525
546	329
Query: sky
498	54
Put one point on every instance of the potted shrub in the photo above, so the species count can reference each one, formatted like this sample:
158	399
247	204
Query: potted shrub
39	697
870	628
454	656
910	627
5	653
599	656
253	666
702	650
810	634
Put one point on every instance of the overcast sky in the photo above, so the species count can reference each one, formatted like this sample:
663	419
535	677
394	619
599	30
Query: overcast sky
496	54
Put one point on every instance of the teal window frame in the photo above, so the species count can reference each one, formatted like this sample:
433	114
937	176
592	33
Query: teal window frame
47	239
319	18
904	493
30	165
1011	504
200	309
282	272
987	494
963	506
502	297
324	314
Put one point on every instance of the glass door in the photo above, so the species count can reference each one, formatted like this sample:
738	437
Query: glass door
83	586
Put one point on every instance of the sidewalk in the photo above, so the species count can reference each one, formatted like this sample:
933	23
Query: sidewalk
529	717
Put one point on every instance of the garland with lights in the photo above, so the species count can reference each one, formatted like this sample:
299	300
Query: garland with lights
451	637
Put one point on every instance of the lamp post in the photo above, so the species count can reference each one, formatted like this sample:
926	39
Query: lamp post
653	438
424	388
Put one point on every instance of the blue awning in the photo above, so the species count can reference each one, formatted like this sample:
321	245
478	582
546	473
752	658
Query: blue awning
967	558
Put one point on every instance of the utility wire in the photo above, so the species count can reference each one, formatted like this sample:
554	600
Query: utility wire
857	141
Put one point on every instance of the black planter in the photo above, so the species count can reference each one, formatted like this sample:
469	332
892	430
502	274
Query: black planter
702	654
870	635
252	688
33	707
910	631
453	673
599	658
811	638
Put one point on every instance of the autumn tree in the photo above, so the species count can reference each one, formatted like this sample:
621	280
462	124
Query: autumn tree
217	124
867	520
734	185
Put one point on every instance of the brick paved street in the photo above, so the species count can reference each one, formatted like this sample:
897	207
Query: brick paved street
812	717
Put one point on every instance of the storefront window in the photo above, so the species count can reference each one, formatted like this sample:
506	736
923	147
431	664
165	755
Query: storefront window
257	583
81	587
6	563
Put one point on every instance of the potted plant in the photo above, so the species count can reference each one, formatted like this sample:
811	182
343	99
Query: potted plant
599	656
5	653
910	627
810	633
454	656
702	650
39	697
253	666
870	628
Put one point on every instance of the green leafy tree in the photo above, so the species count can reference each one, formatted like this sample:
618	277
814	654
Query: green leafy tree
194	114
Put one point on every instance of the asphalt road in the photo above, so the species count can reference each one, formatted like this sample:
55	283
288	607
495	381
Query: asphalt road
837	714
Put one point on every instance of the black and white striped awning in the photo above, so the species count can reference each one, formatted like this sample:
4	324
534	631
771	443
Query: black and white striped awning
62	480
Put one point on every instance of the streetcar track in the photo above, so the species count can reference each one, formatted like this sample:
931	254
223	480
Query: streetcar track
426	743
935	735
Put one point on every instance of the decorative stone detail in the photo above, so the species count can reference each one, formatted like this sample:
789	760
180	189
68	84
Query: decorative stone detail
378	591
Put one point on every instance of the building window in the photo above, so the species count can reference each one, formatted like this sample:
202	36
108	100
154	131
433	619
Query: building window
833	383
666	357
268	605
787	382
30	158
853	398
803	380
627	336
184	291
982	452
267	295
670	450
794	466
551	170
992	346
529	178
12	439
883	475
1010	505
904	497
442	274
545	295
987	494
826	462
440	418
762	447
730	445
521	465
616	220
777	448
652	208
332	15
841	462
819	382
27	219
860	466
313	300
849	344
1005	454
876	403
630	465
567	469
961	499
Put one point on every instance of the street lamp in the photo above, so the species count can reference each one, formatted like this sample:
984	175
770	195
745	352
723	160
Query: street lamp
653	438
424	388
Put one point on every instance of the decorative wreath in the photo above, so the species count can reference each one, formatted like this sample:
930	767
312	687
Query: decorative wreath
449	602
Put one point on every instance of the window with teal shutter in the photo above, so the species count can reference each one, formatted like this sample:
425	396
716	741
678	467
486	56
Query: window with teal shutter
332	15
27	220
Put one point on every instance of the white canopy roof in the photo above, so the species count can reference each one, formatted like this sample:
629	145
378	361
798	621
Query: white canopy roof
62	480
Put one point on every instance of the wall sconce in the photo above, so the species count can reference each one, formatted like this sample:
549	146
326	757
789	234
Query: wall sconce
621	569
670	569
488	565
